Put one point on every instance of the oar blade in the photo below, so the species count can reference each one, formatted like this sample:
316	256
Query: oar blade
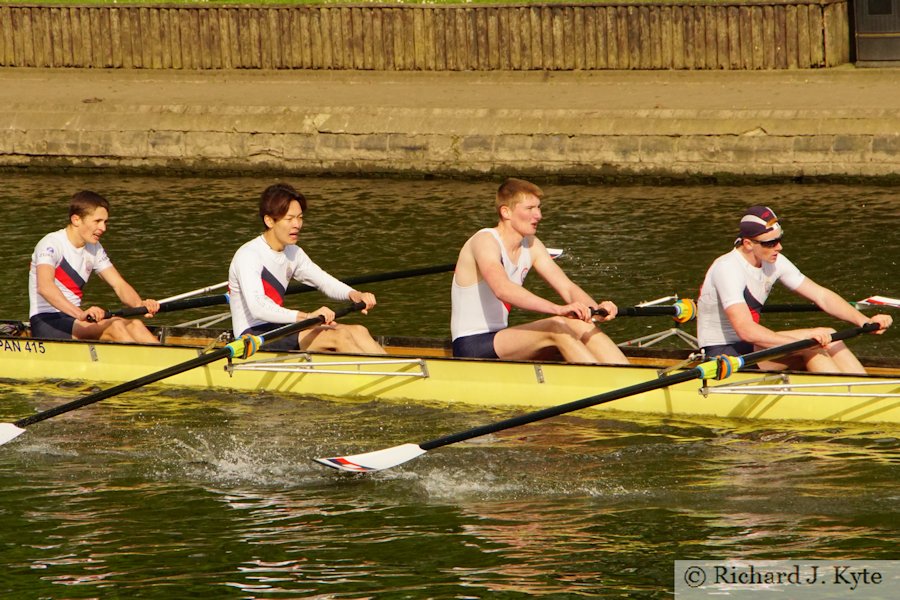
881	301
373	461
9	432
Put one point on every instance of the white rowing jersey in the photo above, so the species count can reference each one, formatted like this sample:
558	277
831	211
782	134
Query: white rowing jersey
732	280
258	279
475	308
72	268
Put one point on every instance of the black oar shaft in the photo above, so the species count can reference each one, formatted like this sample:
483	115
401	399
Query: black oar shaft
760	355
199	302
200	361
125	387
639	388
555	411
294	288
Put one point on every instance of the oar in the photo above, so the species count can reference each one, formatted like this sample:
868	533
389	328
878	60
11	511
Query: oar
196	292
870	302
177	303
294	288
241	348
718	368
683	310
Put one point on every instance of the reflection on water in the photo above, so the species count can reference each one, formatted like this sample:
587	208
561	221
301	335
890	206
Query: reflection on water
165	492
207	490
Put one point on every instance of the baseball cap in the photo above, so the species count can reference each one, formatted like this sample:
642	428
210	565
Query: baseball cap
758	220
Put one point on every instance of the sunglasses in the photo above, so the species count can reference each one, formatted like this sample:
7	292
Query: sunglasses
769	243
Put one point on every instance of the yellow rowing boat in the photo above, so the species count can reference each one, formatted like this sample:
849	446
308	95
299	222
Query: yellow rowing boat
415	371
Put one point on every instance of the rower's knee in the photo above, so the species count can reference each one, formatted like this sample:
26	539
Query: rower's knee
564	326
116	331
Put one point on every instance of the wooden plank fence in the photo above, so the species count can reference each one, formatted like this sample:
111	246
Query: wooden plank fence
699	34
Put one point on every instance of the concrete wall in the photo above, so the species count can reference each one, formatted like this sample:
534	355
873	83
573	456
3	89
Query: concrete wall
736	124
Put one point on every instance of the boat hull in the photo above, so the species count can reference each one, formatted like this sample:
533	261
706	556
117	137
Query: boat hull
422	378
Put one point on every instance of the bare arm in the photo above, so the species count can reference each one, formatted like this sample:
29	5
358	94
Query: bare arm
485	259
480	256
127	294
837	307
751	331
46	287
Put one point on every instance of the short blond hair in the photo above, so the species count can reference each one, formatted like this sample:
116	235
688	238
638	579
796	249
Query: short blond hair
512	191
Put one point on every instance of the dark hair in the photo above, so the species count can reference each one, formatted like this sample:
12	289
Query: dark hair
85	202
276	200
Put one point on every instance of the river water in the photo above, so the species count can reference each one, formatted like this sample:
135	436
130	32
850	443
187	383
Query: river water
165	493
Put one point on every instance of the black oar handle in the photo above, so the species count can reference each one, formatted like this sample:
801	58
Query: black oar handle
701	371
228	351
639	311
199	302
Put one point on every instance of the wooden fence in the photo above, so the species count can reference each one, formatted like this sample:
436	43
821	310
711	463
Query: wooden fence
699	34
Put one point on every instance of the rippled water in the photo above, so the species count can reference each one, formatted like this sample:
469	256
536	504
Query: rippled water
164	493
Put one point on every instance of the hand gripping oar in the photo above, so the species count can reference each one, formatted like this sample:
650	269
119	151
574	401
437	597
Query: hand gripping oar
241	348
718	368
682	311
294	288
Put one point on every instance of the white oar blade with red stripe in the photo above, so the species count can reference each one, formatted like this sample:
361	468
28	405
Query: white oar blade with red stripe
9	432
881	301
373	461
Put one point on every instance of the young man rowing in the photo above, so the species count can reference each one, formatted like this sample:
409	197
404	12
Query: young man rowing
490	271
60	266
262	269
736	288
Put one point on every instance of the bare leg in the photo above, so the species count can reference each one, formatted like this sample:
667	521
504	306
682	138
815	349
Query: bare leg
109	330
340	338
139	332
835	358
363	340
525	342
603	348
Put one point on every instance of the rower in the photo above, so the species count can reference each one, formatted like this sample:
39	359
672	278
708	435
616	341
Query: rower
262	268
60	266
736	288
488	280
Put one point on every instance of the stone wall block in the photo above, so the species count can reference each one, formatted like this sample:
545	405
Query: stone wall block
331	146
298	146
887	149
699	149
852	148
207	144
657	149
373	146
165	144
60	142
510	148
477	147
124	144
257	146
811	149
31	142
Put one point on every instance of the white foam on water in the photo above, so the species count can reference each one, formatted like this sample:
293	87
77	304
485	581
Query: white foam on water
232	460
